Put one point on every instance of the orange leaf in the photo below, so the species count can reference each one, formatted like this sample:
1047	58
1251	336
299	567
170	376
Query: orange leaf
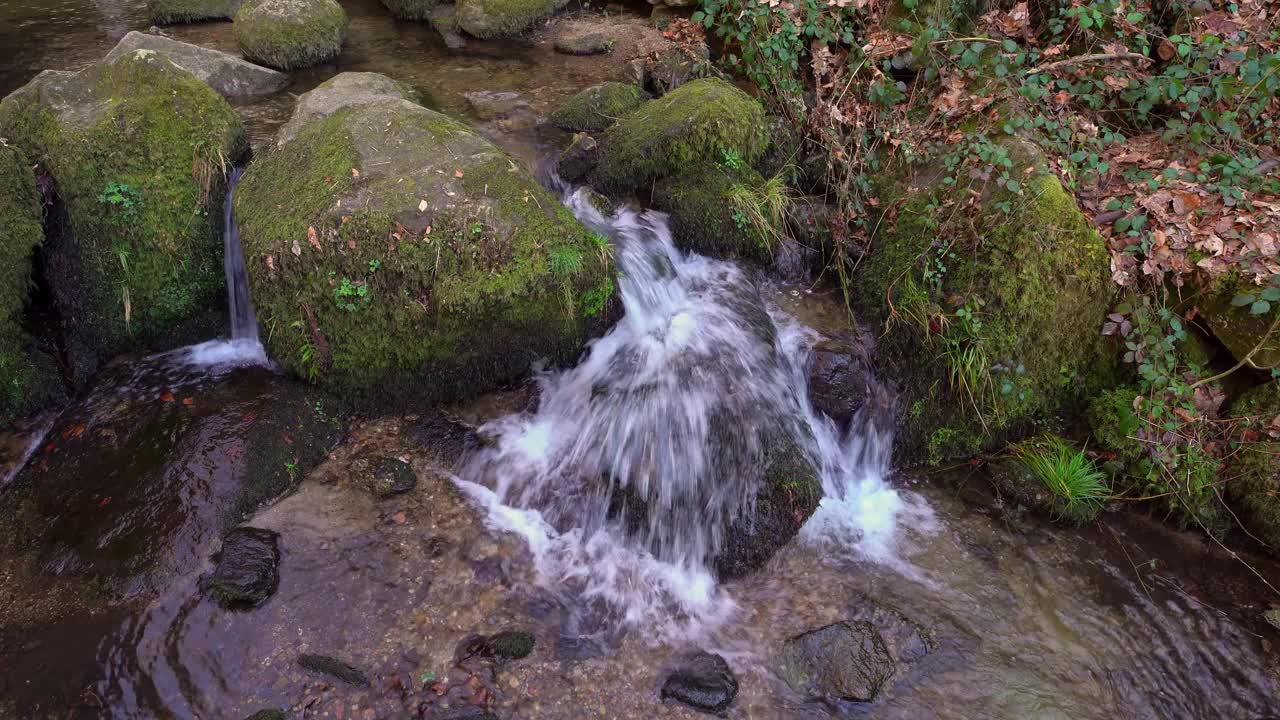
167	396
457	173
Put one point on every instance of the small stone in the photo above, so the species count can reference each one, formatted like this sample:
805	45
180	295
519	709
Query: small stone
383	476
846	660
246	570
703	681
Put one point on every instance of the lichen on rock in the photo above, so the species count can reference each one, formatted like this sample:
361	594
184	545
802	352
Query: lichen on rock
290	34
502	18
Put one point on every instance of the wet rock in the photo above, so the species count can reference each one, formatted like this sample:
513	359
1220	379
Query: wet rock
268	715
577	161
510	275
837	379
158	137
491	105
677	65
166	12
704	219
703	681
334	668
225	73
598	107
846	660
500	647
1019	488
500	18
444	19
811	220
290	34
346	89
411	9
591	43
246	570
383	476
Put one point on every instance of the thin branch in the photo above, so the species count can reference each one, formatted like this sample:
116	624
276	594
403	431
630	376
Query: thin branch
1244	361
1093	57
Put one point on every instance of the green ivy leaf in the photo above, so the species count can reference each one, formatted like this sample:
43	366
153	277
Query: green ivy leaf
1260	308
1242	299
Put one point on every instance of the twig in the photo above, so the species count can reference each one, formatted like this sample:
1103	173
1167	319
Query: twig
1092	57
1136	571
1245	360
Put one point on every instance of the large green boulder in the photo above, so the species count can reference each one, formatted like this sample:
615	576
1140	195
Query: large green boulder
991	322
598	107
704	122
343	90
165	12
28	379
721	212
502	18
136	149
290	34
411	9
1254	488
400	258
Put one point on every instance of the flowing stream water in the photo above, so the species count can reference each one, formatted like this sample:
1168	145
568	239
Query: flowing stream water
522	514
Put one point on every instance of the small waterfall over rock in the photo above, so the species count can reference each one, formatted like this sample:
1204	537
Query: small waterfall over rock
627	475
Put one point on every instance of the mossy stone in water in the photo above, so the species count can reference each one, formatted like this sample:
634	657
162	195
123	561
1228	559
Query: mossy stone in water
28	378
290	34
136	149
335	668
246	572
411	9
598	107
165	12
501	18
406	259
703	216
1036	281
1255	490
702	122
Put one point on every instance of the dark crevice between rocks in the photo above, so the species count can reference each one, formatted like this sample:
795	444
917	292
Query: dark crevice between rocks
40	317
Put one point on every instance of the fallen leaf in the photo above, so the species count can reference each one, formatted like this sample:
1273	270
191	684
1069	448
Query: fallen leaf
167	397
188	401
457	173
311	237
355	173
400	518
296	249
422	206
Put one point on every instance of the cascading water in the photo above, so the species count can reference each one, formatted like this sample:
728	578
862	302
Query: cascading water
637	460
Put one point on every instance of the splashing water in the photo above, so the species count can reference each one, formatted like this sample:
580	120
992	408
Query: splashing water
626	478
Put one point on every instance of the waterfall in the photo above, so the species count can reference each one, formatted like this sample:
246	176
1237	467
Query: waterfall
673	410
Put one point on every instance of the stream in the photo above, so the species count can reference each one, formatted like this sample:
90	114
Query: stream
989	611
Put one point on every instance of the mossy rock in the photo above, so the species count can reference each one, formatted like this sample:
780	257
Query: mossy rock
136	149
411	9
334	668
1254	491
290	34
703	217
503	18
227	74
1115	424
167	12
28	378
995	334
700	123
598	107
1238	329
403	258
343	90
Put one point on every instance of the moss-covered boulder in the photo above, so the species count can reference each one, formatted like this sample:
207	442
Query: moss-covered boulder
704	122
403	258
290	34
720	212
411	9
1254	490
227	74
166	12
343	90
136	149
992	322
1240	330
502	18
28	378
598	107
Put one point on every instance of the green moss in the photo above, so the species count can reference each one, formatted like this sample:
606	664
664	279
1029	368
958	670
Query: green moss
287	37
510	644
1238	329
1115	424
411	9
698	124
598	107
996	333
165	12
145	275
703	218
463	300
1254	490
501	18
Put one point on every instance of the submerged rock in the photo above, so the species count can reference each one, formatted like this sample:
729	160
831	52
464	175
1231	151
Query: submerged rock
598	107
343	90
846	660
227	74
837	379
491	104
577	160
499	18
334	668
136	149
165	12
416	260
28	378
501	647
1254	490
444	19
383	476
703	681
700	124
246	570
290	34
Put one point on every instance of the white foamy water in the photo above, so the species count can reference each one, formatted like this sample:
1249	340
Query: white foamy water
626	478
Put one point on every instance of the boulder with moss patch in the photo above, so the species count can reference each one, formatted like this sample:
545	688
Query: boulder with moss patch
702	123
1227	308
28	378
290	34
719	212
167	12
136	149
1254	490
598	107
994	320
503	18
343	90
225	73
404	258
